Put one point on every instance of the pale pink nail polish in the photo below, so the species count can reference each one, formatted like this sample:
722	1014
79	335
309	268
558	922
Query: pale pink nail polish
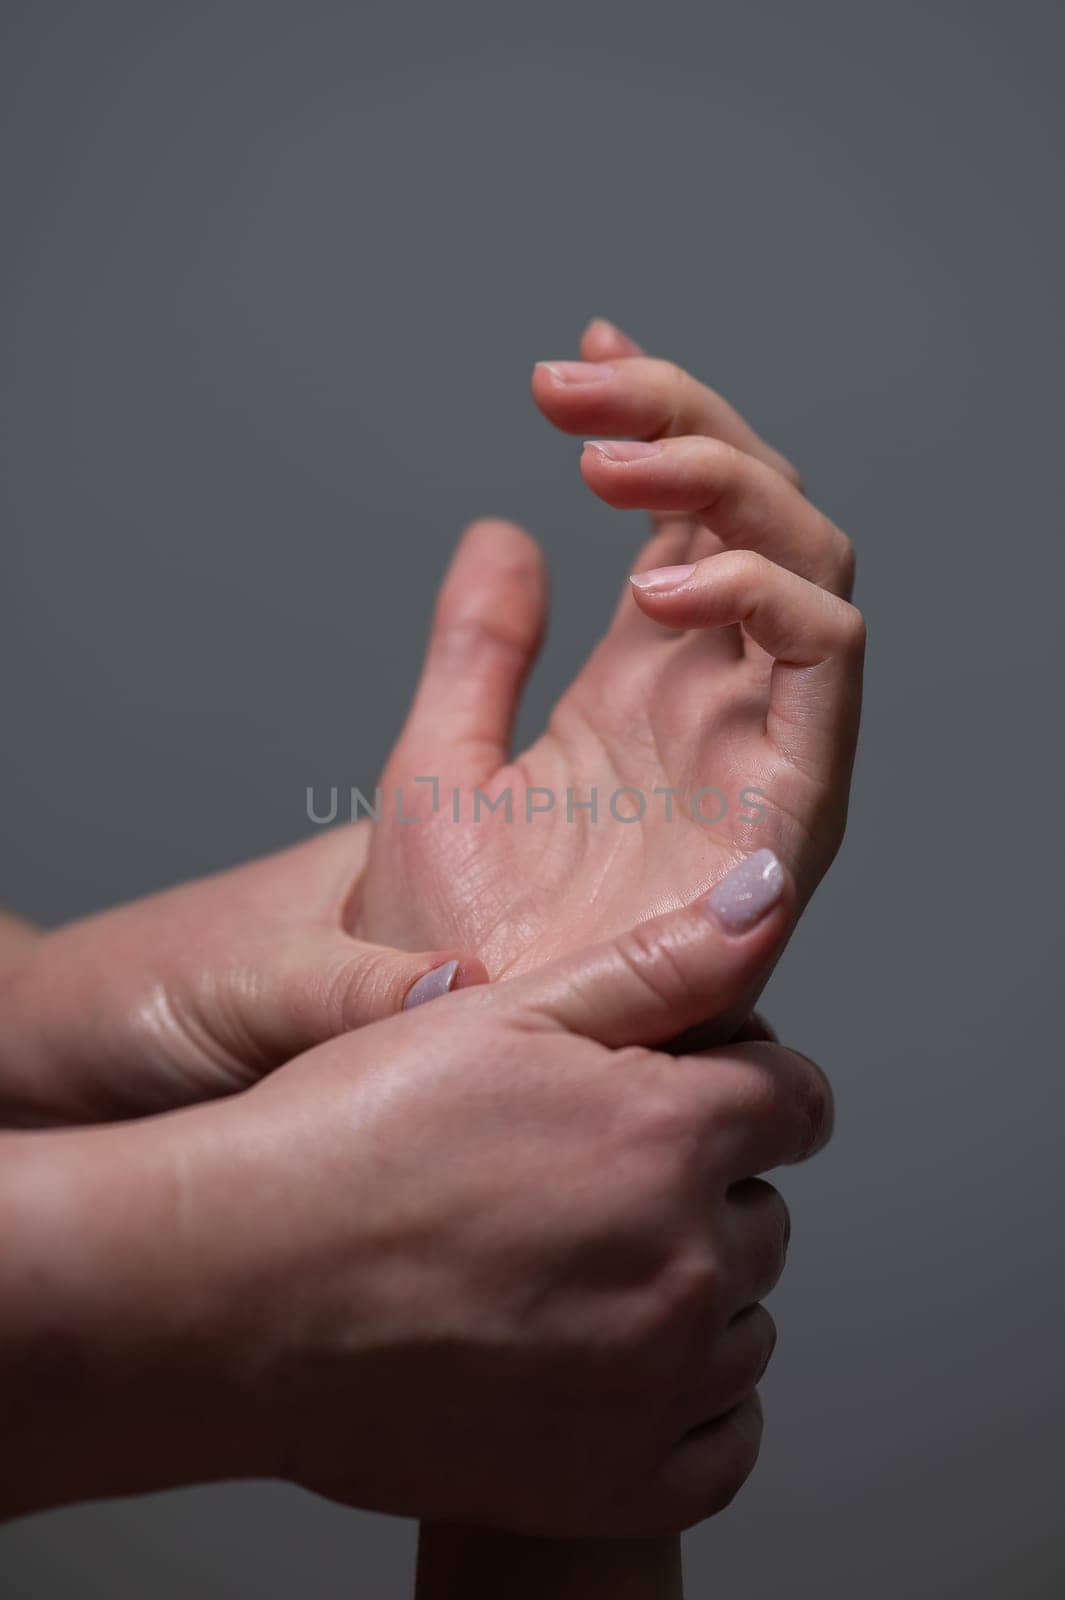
660	580
746	894
579	372
431	985
624	450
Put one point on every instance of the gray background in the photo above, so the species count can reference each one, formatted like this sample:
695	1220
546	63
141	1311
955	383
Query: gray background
272	280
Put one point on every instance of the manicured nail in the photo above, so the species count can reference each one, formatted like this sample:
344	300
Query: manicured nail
747	893
579	371
431	985
660	580
624	449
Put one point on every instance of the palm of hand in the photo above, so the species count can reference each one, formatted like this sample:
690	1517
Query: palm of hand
666	732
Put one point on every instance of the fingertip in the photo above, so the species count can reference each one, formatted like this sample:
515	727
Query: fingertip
470	973
602	338
656	584
459	972
603	483
438	981
749	892
491	536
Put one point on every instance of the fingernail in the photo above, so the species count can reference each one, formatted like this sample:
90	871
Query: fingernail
431	985
660	580
747	893
624	449
579	371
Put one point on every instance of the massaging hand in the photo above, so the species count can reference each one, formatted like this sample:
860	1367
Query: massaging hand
198	991
739	672
493	1260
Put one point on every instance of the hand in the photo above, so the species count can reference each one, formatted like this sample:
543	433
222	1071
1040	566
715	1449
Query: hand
488	1261
767	702
502	1273
196	992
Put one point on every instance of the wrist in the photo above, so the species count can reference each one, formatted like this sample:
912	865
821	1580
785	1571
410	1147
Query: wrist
115	1374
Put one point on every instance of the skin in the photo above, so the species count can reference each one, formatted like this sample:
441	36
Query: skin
774	688
16	937
497	1260
750	678
772	703
773	691
196	992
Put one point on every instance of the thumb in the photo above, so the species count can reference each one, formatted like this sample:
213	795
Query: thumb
674	972
330	984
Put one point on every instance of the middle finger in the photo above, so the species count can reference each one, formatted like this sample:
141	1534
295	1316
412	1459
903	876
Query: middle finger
744	503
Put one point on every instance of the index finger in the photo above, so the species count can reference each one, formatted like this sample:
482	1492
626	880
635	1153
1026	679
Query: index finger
643	397
759	1106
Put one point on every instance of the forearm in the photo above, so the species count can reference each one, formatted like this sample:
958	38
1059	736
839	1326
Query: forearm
110	1376
16	935
55	1009
456	1563
18	941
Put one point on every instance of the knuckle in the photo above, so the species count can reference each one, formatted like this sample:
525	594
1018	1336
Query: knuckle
815	1107
783	1222
755	1098
665	1135
728	471
727	1471
851	630
846	564
763	1342
674	380
461	638
776	1219
743	1441
361	990
769	1255
653	963
665	382
690	1287
744	569
734	1475
681	1303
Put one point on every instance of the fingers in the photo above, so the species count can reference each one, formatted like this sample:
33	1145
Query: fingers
672	972
703	1473
486	632
740	1356
816	639
330	984
618	390
602	341
760	1106
741	500
756	1027
757	1228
